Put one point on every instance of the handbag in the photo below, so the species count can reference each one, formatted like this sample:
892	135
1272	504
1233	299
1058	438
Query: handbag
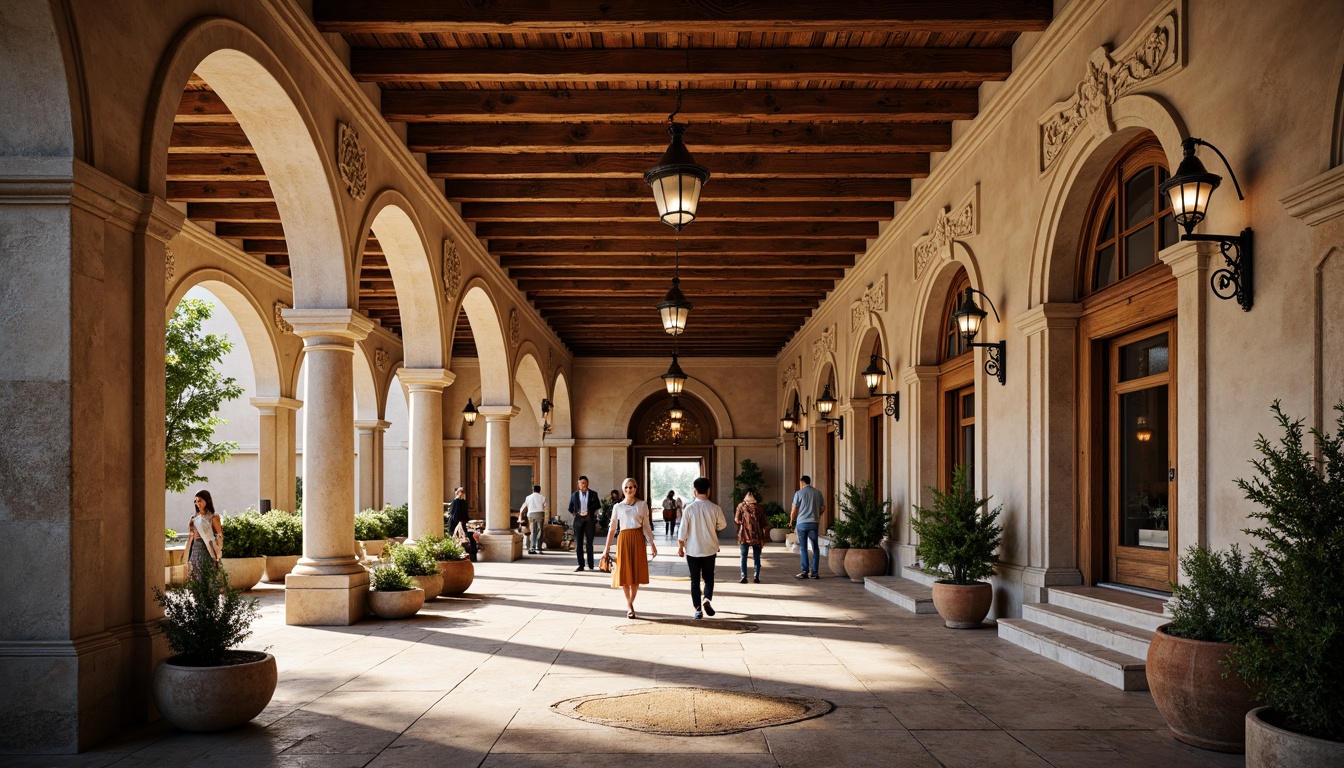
606	563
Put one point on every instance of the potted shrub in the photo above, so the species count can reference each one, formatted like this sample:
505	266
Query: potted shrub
393	594
371	531
778	518
1298	666
284	544
244	555
398	521
835	556
957	542
416	562
208	685
457	570
866	521
1202	698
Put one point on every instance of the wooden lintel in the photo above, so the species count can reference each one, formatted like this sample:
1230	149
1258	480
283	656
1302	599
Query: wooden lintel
526	165
709	210
699	229
626	189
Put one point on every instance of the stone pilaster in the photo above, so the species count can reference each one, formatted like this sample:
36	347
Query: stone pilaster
369	442
565	482
425	391
276	451
499	543
921	408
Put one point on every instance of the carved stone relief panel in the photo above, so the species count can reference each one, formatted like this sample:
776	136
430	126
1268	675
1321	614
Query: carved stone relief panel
169	265
874	299
353	161
962	220
452	272
515	333
823	345
381	359
279	318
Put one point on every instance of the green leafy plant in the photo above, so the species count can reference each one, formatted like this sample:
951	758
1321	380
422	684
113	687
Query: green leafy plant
840	535
1299	662
775	514
298	494
193	391
245	535
865	518
389	578
750	478
957	539
284	533
371	525
441	549
398	520
205	617
1221	599
413	560
170	534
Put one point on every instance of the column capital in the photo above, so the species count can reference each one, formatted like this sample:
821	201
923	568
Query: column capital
340	326
1187	258
269	406
160	220
498	412
452	442
1051	315
917	374
425	379
372	424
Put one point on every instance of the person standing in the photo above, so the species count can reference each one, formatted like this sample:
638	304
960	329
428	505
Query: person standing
205	536
752	525
631	517
808	507
670	514
457	522
698	542
534	506
583	507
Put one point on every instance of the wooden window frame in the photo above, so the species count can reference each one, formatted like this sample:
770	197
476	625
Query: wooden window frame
1140	154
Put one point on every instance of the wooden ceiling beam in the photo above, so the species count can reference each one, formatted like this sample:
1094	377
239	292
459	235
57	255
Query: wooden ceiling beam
687	66
204	137
249	230
208	167
662	277
217	190
549	304
527	165
621	285
891	105
648	140
662	245
709	210
260	212
203	107
633	188
415	17
700	229
721	261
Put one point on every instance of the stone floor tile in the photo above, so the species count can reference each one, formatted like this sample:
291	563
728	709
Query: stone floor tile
877	749
974	749
1089	748
618	741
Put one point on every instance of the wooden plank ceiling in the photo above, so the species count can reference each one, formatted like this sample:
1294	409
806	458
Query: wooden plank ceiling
541	117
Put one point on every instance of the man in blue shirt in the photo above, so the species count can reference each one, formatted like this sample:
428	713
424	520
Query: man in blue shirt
808	506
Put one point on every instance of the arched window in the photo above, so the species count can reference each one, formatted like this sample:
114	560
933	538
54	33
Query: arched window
954	344
1129	222
956	385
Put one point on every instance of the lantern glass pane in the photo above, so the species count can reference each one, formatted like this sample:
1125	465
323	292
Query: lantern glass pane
676	195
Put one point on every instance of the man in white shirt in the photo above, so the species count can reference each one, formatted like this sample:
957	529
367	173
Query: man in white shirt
534	506
698	542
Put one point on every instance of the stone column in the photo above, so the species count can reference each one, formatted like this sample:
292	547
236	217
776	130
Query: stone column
425	487
1052	425
544	476
452	465
327	586
565	480
921	382
499	544
276	450
369	441
854	448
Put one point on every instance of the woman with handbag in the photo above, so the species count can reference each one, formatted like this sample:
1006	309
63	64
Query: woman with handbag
752	527
205	536
631	517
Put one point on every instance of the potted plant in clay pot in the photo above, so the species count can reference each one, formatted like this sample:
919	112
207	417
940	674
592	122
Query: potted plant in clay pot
835	555
1298	665
208	685
866	522
1193	684
243	557
778	518
553	535
453	563
417	562
393	594
371	531
284	544
398	522
957	542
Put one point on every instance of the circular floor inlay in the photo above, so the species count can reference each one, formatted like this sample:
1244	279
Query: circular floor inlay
691	711
688	627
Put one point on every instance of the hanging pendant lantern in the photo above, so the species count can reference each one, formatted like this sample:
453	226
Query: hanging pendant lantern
675	378
676	180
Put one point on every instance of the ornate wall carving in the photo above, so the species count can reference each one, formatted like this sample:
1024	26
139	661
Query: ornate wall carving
278	317
169	265
452	272
352	160
515	334
790	374
823	345
1155	51
962	220
874	299
381	359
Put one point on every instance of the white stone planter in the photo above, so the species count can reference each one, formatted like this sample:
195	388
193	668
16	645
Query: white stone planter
213	698
399	604
778	534
1269	746
432	585
279	566
244	572
373	547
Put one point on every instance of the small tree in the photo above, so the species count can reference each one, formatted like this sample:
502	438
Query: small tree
955	538
865	519
194	389
749	479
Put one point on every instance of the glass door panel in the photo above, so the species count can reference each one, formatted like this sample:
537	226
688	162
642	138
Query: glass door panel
1143	468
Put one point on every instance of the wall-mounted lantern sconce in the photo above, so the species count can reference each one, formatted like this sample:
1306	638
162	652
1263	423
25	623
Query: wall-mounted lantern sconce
825	404
469	413
546	407
789	423
1190	189
968	317
873	376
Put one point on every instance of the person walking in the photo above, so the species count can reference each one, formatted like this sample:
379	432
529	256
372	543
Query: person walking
205	536
752	527
698	542
457	522
583	507
670	514
808	506
534	506
631	517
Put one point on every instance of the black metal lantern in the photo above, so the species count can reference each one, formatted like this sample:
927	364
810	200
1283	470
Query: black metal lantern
677	179
969	317
674	308
825	404
872	377
675	413
786	423
469	413
675	378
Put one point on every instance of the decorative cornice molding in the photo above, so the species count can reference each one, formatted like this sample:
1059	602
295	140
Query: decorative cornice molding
452	272
1153	52
874	299
824	344
1051	315
353	161
1319	199
962	220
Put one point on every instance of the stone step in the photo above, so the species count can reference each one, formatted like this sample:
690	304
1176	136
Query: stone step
1146	613
1124	638
911	573
913	597
1109	666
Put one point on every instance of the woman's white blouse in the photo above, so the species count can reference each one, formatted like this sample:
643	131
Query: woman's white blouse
630	516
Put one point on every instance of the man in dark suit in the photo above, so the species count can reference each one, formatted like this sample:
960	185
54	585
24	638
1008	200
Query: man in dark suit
584	505
457	515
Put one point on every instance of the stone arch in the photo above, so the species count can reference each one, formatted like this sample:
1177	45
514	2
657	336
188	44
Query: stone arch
723	423
247	311
391	219
268	104
487	329
562	425
1077	172
528	377
926	338
863	343
44	96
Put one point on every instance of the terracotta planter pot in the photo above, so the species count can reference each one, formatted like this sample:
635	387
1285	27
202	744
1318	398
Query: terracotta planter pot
213	698
279	566
1200	706
835	560
374	547
244	572
862	563
399	604
962	606
1269	746
457	576
553	536
778	535
432	585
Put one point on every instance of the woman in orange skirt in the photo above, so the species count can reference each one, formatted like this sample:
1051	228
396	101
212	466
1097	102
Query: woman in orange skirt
631	518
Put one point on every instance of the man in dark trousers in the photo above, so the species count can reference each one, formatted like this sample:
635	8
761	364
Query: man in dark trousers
584	505
457	515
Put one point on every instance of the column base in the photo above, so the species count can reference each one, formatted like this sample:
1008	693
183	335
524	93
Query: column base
905	556
1036	582
501	547
326	601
